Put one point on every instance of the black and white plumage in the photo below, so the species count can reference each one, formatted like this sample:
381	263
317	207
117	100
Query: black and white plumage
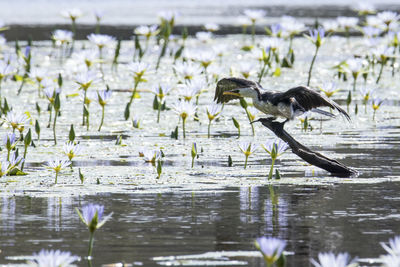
290	104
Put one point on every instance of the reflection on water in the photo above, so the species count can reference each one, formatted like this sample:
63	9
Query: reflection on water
311	219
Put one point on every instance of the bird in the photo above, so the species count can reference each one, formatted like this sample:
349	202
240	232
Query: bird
288	105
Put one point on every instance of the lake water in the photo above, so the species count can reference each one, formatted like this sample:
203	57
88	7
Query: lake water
352	218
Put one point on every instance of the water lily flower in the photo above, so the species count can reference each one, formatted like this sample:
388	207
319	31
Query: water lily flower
58	165
376	103
52	258
136	122
365	94
329	259
330	26
88	57
102	98
247	69
364	8
290	26
254	14
101	41
317	38
92	217
62	37
16	121
390	260
15	161
247	148
203	36
187	70
329	88
274	149
167	15
98	14
150	156
371	32
211	27
138	69
388	17
85	80
394	246
271	248
5	168
185	110
146	31
71	149
213	112
9	141
354	66
346	23
72	14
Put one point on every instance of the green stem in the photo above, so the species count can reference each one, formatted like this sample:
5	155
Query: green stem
192	162
354	83
55	182
209	128
8	154
83	107
102	117
245	161
380	72
54	127
311	66
373	116
252	126
260	76
159	110
50	116
91	240
271	171
23	163
183	128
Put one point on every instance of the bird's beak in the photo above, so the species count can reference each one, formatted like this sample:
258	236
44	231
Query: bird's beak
231	93
255	121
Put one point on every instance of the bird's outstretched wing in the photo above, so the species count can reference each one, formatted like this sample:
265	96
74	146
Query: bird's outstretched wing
228	84
309	99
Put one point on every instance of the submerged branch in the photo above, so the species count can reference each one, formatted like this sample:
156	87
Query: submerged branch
314	158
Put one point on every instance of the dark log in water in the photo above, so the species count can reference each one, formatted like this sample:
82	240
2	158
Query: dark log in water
314	158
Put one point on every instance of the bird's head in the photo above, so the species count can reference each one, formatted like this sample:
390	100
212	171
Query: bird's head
231	88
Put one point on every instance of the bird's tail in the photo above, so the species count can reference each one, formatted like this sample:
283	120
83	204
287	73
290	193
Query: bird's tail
323	112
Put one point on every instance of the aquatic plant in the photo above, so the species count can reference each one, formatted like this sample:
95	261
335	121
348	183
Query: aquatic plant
98	14
138	69
382	55
150	156
147	32
254	15
57	165
56	106
161	91
354	66
184	110
247	148
9	141
213	112
271	249
186	70
365	94
376	104
103	97
72	14
329	89
52	258
274	149
92	217
193	152
347	23
244	105
27	142
394	246
71	149
16	121
237	125
317	37
85	80
101	41
329	259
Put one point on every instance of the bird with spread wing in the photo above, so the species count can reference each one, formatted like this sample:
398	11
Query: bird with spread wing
290	104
